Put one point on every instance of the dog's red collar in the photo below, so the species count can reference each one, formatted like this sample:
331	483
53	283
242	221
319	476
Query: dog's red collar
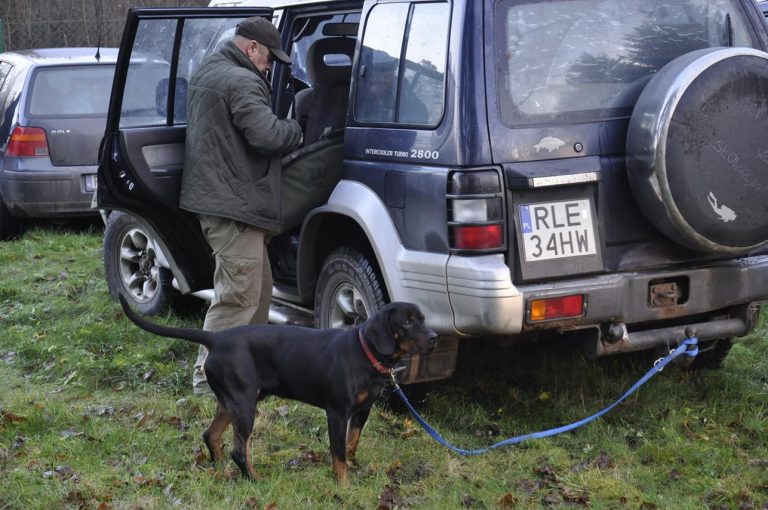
378	365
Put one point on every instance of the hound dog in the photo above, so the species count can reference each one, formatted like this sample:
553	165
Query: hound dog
340	370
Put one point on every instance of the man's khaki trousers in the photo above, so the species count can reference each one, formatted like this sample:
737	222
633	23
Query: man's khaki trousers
242	280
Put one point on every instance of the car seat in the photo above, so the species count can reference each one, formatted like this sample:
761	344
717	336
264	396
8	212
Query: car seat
324	104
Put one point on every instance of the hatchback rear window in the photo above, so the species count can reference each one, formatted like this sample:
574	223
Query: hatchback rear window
575	60
71	91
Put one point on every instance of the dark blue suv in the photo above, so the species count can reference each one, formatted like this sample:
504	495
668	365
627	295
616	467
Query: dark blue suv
521	169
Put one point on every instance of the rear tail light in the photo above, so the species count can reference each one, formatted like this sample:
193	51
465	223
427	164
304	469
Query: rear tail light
478	237
556	308
476	210
482	209
27	141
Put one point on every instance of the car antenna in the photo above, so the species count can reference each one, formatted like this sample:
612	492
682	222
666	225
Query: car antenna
101	30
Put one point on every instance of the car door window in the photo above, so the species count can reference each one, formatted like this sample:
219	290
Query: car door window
401	79
199	38
148	74
147	83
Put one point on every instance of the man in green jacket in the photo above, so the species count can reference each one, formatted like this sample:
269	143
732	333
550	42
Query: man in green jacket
231	176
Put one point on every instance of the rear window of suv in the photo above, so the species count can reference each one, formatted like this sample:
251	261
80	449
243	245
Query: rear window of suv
577	60
71	91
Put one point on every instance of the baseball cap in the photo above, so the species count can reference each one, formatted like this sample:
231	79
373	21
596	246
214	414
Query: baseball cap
263	31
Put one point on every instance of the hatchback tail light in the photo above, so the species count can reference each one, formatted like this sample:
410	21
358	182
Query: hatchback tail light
27	141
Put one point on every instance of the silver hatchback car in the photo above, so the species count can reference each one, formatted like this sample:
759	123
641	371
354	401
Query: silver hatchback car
53	107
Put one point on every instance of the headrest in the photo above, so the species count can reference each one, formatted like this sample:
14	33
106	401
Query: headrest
336	51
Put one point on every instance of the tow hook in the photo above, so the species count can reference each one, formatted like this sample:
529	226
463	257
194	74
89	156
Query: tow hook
685	361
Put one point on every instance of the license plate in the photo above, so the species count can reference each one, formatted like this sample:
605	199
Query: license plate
553	230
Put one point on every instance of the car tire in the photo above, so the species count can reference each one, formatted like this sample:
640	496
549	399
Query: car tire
132	268
10	226
349	290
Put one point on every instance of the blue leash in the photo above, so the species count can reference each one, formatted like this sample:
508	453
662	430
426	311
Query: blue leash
688	347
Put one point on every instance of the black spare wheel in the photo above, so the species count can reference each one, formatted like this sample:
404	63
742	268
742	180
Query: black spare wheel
697	150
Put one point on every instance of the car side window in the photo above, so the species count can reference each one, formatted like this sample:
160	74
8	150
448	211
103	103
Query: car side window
5	70
401	77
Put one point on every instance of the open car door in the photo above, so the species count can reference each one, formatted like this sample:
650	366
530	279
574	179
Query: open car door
142	153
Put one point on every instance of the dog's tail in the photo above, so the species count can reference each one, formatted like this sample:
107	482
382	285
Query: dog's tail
197	336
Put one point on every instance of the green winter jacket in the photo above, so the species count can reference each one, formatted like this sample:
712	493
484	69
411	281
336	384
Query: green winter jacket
234	142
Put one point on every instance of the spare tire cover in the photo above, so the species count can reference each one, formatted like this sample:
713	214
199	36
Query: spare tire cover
697	150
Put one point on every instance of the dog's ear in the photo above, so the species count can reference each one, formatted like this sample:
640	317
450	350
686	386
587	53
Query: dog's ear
378	331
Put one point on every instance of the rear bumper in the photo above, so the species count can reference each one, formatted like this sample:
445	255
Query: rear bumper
43	194
485	302
624	297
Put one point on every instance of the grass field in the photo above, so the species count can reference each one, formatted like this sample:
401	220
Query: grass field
95	413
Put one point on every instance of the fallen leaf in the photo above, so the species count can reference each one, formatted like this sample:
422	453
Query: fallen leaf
140	418
571	495
508	500
393	470
272	505
64	472
148	482
200	456
527	486
553	499
309	457
10	417
19	441
77	499
177	422
105	411
389	497
546	472
603	461
252	502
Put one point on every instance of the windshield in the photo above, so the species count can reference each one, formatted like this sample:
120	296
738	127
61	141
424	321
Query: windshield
576	60
71	91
